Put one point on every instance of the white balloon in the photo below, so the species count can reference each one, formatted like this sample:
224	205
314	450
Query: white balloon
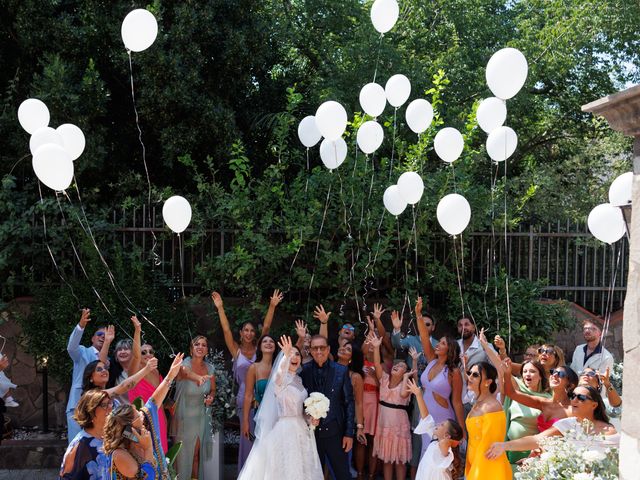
53	166
454	213
410	186
606	223
33	114
308	132
620	190
384	15
491	113
393	201
176	213
501	143
331	120
419	115
43	136
139	30
73	139
448	144
370	136
397	90
333	152
506	72
373	99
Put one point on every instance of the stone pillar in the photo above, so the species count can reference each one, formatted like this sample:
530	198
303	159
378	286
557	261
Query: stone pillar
622	111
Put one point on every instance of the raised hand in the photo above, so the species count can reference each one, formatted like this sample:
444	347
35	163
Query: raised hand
276	298
498	341
374	340
506	366
604	377
414	354
413	387
377	311
320	314
419	307
144	438
482	337
175	367
285	345
217	299
152	364
410	374
372	327
136	323
85	317
396	321
109	334
301	328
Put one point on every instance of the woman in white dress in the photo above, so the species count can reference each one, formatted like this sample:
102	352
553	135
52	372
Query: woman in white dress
285	447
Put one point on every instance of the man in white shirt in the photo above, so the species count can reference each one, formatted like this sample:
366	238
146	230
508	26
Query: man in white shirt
471	352
591	354
81	356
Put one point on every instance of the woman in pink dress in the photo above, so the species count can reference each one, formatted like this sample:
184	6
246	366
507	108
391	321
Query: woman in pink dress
392	443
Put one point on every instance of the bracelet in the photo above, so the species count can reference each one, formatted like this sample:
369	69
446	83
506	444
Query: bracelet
610	388
324	323
359	426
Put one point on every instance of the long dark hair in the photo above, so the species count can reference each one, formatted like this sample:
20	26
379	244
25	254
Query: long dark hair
259	350
572	378
544	381
453	353
455	432
357	359
600	413
255	329
87	382
489	372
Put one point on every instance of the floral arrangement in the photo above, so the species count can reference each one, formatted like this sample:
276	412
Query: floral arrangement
616	377
224	403
316	406
578	455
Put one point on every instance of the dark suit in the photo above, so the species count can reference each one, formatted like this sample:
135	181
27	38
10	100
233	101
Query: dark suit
335	384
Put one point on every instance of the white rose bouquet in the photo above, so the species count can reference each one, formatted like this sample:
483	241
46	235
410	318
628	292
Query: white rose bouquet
316	406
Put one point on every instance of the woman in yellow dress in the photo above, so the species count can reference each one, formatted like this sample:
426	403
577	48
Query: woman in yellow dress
486	424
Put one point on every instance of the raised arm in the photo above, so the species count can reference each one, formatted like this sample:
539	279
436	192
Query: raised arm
73	346
274	301
406	378
232	345
161	391
514	392
109	335
375	343
413	387
425	337
133	380
301	331
323	317
286	347
377	317
134	364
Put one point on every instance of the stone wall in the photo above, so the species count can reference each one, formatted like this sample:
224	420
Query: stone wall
22	372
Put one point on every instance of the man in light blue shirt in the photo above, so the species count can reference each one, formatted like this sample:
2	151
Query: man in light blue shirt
81	356
405	343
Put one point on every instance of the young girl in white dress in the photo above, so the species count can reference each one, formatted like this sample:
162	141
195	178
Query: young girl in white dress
441	460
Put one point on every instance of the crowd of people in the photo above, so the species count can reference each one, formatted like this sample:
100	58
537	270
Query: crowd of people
400	405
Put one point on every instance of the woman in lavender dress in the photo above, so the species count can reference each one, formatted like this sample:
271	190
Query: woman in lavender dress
244	354
441	380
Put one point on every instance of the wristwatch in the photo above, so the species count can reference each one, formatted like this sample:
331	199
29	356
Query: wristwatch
610	388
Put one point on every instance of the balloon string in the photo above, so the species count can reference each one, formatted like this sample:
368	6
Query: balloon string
315	258
118	290
610	295
453	177
154	254
492	249
84	271
393	141
507	252
184	296
375	72
455	254
415	246
306	187
46	243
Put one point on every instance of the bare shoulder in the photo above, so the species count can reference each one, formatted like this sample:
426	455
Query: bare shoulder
491	405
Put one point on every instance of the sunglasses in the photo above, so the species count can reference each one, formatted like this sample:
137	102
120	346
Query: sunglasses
589	373
319	348
548	351
427	324
473	374
148	352
580	397
558	373
349	327
100	369
100	333
106	405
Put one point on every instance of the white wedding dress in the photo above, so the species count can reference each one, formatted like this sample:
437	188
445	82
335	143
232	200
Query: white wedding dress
285	447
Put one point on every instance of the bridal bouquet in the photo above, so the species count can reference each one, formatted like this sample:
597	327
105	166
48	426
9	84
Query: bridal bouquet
316	406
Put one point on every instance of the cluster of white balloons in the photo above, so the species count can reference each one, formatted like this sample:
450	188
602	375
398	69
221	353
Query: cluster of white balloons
53	150
408	191
606	221
330	122
139	30
384	15
176	213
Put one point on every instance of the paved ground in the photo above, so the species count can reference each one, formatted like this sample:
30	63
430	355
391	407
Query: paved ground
229	474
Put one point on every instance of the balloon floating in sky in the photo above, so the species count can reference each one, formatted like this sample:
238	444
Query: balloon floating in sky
33	114
397	90
384	15
331	120
419	115
620	190
491	113
73	139
393	201
501	143
606	223
370	136
308	132
176	213
333	152
139	30
373	99
411	187
448	144
53	166
454	213
507	72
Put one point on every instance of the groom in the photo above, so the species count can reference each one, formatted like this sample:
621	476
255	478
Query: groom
334	434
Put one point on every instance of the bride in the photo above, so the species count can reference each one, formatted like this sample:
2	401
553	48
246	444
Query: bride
284	446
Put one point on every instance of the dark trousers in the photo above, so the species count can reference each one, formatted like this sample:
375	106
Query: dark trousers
330	448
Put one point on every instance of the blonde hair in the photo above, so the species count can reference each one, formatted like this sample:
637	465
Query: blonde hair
117	421
194	340
560	361
84	412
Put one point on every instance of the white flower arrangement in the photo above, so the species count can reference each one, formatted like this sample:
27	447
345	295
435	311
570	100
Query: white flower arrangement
578	455
316	406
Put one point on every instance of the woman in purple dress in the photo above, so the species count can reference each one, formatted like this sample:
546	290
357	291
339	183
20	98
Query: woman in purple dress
244	354
441	380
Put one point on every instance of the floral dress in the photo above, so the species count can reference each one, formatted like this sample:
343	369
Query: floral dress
90	462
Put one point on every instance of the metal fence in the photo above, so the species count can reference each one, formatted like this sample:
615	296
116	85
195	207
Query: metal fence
577	267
